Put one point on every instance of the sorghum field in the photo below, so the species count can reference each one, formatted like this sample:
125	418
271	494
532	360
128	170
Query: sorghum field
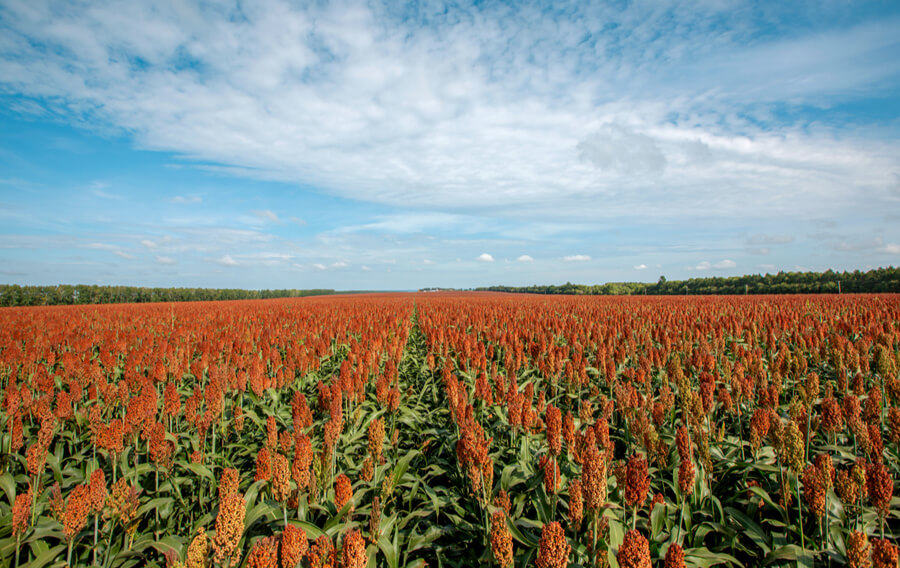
453	430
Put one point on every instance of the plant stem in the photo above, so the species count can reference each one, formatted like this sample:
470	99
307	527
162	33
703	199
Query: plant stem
156	509
109	545
808	413
34	497
96	517
800	514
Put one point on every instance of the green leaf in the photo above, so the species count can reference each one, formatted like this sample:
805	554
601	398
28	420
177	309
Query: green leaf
523	537
657	521
788	552
46	556
8	484
616	536
751	529
200	470
389	549
403	465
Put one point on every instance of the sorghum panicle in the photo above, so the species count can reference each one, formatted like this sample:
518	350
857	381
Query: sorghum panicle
637	481
553	551
343	491
501	540
229	526
294	546
674	556
858	548
884	553
634	551
353	554
264	553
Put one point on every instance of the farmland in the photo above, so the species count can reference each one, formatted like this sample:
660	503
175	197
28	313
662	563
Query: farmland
452	430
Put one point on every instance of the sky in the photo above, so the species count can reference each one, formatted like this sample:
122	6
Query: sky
395	146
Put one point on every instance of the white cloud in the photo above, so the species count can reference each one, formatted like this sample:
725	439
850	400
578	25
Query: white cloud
615	148
525	258
320	266
148	243
98	187
723	264
891	248
298	221
226	260
187	199
266	215
485	257
122	254
365	268
576	258
100	246
339	264
428	261
704	265
480	109
165	260
640	267
106	195
770	239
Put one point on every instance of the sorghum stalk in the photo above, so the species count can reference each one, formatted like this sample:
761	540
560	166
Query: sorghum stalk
96	522
800	514
109	544
156	509
34	497
808	416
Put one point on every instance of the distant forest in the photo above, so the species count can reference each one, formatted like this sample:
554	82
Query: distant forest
828	282
64	294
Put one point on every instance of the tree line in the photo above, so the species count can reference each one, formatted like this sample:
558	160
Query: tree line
65	294
828	282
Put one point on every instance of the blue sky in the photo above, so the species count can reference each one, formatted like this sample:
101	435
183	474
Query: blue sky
357	145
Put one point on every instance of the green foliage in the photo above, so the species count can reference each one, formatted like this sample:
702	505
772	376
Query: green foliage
64	294
878	280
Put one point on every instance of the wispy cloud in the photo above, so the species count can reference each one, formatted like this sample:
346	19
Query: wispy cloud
187	199
346	135
481	108
266	215
98	188
106	195
165	260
